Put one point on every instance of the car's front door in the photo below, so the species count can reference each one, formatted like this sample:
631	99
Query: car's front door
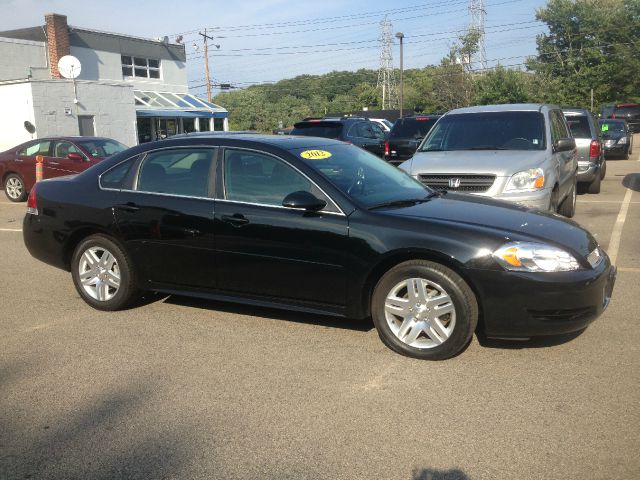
267	250
567	160
166	220
59	163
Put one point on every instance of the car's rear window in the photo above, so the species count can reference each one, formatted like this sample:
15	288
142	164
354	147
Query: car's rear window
579	126
412	127
516	130
325	129
627	110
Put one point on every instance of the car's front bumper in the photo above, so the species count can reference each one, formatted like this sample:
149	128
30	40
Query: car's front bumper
616	149
539	200
523	305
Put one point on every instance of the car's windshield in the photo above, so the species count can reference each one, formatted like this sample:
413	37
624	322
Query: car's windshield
487	131
101	147
412	127
326	130
361	175
611	127
579	126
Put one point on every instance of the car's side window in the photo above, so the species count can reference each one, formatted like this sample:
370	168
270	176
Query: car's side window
38	148
62	149
556	127
377	131
254	177
180	171
115	178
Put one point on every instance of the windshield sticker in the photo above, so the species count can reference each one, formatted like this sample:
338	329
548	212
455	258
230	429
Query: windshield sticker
534	141
315	154
605	127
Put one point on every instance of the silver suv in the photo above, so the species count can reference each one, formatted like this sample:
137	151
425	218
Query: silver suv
591	164
521	153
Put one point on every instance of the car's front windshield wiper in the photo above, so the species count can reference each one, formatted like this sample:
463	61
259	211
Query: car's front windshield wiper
405	202
485	147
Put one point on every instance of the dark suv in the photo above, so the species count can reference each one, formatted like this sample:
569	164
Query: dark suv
629	112
405	136
359	131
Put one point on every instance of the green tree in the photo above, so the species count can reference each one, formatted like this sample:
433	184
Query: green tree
590	45
502	85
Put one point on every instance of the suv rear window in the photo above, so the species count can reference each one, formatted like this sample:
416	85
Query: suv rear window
317	129
627	110
579	126
412	127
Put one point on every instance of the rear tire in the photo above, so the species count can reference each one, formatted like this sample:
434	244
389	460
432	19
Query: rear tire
14	188
103	274
424	310
594	186
603	169
568	206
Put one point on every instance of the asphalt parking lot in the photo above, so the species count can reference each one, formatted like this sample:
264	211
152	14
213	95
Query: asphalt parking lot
186	389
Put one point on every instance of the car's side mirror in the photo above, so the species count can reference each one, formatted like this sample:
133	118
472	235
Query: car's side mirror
76	157
304	201
564	145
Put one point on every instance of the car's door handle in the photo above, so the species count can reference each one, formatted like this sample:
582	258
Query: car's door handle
192	231
50	162
18	160
237	219
128	207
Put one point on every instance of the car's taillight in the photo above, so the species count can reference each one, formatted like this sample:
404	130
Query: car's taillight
32	207
387	151
594	150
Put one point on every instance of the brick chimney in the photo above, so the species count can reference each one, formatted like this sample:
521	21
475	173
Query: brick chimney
57	40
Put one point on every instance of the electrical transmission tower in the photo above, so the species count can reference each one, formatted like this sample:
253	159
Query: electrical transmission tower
478	12
386	77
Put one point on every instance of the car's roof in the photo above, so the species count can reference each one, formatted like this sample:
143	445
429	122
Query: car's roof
575	111
286	142
507	107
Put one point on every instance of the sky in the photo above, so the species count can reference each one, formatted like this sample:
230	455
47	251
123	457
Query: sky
268	40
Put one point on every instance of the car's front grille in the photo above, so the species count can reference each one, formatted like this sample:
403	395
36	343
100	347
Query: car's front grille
467	183
563	315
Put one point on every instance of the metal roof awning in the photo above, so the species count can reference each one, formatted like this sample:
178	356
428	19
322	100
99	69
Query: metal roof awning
168	104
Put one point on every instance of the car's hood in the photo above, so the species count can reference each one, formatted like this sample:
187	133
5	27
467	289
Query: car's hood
497	162
508	220
613	135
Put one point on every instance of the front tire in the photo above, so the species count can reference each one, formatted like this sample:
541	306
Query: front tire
14	188
568	206
102	274
424	310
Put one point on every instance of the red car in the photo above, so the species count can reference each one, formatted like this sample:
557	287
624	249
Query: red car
62	156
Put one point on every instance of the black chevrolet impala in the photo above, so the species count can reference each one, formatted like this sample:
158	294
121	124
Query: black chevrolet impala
316	225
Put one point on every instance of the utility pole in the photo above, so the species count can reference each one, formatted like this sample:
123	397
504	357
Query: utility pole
206	37
386	77
478	12
400	36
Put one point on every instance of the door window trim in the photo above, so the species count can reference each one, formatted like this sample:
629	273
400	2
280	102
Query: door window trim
222	191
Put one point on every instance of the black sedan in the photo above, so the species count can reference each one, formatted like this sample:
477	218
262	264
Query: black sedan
316	225
617	138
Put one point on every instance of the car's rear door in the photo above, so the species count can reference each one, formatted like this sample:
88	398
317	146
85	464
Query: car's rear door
264	249
166	219
25	160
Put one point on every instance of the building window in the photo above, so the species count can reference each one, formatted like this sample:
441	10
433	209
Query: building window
140	67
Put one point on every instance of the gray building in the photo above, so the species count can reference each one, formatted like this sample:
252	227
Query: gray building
130	89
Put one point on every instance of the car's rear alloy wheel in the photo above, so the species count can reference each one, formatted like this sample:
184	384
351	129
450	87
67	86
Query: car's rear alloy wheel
14	188
424	310
102	273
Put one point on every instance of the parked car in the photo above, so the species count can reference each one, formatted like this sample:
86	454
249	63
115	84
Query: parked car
359	131
629	112
62	156
521	153
592	166
617	138
405	136
319	226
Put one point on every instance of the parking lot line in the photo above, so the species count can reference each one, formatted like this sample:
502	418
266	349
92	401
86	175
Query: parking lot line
10	229
629	269
616	234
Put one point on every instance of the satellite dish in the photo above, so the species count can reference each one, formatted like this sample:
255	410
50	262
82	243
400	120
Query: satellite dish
29	127
69	66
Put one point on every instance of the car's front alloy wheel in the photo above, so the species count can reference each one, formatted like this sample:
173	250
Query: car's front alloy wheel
424	310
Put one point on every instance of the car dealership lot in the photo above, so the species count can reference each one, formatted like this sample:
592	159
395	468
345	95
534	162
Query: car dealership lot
182	388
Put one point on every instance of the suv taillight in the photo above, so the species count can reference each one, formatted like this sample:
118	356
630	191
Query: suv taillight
387	151
594	150
32	207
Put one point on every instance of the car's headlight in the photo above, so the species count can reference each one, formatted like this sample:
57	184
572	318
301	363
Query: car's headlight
526	181
534	257
622	141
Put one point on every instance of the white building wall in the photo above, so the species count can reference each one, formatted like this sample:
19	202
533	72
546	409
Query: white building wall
17	105
19	58
111	105
99	65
